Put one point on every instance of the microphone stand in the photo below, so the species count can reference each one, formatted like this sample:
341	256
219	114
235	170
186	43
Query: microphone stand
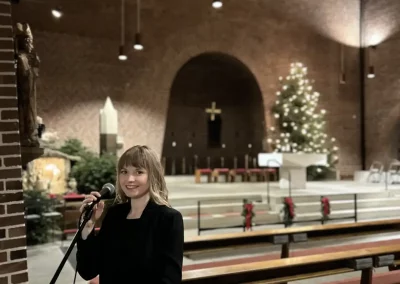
86	217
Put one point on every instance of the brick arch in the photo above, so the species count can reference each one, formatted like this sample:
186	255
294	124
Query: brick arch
177	57
180	50
252	114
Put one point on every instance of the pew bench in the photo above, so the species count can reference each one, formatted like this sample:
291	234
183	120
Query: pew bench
299	268
238	172
285	236
70	213
268	172
217	172
257	173
202	172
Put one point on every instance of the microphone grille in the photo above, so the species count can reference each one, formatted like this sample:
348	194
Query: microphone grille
110	187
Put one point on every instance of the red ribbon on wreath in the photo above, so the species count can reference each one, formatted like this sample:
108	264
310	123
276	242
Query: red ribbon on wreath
326	207
249	215
290	206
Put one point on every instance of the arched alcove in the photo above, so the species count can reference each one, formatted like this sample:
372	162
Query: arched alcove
213	81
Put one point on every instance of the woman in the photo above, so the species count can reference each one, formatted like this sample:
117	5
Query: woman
141	237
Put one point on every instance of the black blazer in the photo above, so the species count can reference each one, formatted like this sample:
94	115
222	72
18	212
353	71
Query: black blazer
144	250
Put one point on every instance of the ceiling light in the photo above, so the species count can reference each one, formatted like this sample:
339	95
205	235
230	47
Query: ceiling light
56	13
122	56
138	42
217	4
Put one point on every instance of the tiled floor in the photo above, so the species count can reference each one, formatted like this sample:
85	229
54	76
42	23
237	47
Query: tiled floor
43	261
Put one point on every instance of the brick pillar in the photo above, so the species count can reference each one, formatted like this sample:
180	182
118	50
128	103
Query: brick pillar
13	259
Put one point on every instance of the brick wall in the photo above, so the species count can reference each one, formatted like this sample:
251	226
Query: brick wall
382	116
78	73
13	263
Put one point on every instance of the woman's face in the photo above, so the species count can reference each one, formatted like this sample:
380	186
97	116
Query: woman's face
133	181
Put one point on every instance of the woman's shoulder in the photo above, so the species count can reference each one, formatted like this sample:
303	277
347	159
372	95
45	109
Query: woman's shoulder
169	218
167	211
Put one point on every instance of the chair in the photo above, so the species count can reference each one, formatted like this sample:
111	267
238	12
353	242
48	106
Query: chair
375	172
394	172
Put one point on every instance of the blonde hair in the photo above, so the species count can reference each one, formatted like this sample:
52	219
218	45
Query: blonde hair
143	157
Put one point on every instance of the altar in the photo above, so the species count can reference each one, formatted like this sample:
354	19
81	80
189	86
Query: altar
293	166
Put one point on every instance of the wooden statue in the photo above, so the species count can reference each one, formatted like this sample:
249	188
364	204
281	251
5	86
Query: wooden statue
27	74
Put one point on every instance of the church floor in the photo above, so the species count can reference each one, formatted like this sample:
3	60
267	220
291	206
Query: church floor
43	260
185	187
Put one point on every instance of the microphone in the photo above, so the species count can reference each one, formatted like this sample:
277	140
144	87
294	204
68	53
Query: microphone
106	191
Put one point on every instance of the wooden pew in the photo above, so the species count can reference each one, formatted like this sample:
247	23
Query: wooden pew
285	236
70	212
238	172
299	268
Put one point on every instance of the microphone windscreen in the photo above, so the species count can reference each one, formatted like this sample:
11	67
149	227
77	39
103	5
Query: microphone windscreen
107	190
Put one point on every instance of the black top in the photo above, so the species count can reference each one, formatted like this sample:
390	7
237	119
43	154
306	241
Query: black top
144	250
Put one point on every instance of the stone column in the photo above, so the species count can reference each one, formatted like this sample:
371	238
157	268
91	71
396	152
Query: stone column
108	128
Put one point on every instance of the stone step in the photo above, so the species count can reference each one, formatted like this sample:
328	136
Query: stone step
300	198
220	208
344	205
207	199
214	199
306	207
362	214
270	217
219	220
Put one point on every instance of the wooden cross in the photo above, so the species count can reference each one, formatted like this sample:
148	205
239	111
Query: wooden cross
213	110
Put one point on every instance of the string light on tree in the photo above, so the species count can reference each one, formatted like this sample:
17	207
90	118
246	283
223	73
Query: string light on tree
299	119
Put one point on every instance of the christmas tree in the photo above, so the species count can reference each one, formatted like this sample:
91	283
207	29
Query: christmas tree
300	125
